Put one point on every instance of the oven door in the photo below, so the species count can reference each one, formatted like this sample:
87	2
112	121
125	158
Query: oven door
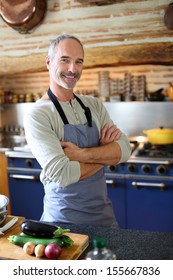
26	193
116	187
150	204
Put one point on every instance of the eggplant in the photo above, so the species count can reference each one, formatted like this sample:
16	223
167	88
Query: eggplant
41	229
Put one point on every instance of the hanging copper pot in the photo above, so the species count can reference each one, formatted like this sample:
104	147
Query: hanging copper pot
22	15
168	17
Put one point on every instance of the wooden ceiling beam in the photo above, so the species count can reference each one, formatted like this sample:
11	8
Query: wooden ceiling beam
157	53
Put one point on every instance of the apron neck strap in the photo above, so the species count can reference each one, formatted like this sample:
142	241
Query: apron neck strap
57	105
61	112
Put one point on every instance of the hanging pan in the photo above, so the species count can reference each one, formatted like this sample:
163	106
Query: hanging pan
22	15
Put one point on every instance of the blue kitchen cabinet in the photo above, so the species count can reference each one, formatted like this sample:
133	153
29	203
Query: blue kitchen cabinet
26	194
149	204
25	189
117	193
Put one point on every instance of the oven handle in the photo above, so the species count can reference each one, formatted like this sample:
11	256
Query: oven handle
111	182
147	161
18	176
144	184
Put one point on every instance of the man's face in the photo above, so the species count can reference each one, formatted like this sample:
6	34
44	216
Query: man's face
66	66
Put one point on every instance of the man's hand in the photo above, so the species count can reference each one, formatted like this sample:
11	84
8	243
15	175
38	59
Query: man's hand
71	150
109	134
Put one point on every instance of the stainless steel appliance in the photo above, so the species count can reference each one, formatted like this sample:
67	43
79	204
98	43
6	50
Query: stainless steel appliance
25	189
142	188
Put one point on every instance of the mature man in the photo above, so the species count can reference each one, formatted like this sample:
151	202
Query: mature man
73	138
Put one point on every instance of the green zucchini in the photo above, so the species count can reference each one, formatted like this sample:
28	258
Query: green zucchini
66	240
20	240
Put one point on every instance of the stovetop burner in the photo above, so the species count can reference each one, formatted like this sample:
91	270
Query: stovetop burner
154	151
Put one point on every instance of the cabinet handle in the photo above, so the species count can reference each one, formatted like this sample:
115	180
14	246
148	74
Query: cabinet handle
110	182
144	184
18	176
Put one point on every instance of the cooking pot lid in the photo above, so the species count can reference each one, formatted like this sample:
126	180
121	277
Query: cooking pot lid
161	130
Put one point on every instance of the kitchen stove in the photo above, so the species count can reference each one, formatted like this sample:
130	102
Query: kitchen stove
146	160
154	151
141	189
153	160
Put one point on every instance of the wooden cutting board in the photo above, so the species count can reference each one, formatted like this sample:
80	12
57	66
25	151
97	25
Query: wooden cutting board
14	252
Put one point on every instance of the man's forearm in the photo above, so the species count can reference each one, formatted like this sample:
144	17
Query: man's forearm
89	169
107	154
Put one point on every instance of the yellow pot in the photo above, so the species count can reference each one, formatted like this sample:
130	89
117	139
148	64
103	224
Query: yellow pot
160	136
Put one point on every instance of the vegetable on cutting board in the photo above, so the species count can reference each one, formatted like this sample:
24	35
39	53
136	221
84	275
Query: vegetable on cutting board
42	229
20	240
53	251
41	239
39	250
29	248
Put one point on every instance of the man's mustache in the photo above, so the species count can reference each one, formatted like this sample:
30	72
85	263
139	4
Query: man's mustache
70	74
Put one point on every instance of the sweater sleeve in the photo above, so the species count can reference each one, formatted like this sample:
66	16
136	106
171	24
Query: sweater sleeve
46	148
123	141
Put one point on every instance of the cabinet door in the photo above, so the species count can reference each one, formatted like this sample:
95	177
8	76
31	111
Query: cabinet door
117	194
150	207
3	177
26	195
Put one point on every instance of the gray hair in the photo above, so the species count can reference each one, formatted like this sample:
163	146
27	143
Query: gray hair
56	41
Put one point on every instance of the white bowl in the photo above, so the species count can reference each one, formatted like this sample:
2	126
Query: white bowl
4	201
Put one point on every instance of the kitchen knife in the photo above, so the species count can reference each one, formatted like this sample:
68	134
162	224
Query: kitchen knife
8	225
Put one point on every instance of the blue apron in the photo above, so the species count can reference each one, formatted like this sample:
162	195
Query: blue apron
84	202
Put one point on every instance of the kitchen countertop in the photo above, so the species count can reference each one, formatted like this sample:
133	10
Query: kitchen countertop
127	244
130	244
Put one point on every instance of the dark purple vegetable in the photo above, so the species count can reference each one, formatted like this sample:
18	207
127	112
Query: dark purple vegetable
41	229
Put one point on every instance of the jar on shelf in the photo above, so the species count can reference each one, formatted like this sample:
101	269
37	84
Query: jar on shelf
8	97
29	97
21	98
14	98
170	91
2	96
36	96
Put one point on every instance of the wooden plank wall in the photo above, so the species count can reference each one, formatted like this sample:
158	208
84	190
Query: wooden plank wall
124	23
127	22
156	77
